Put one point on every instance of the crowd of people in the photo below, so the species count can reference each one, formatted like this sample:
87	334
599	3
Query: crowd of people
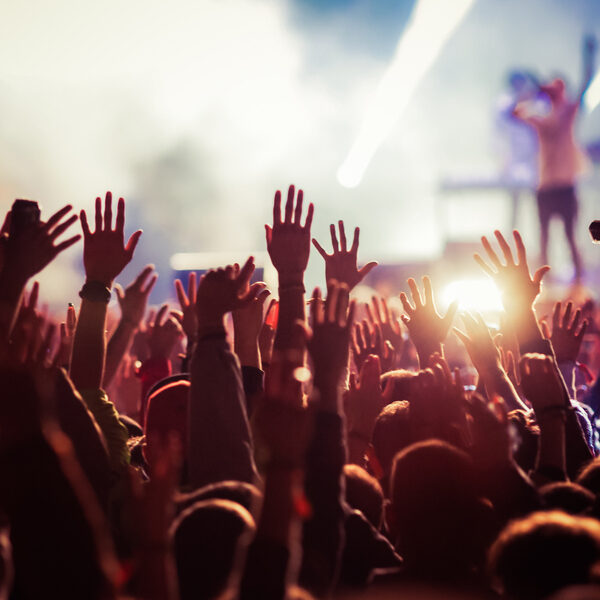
237	447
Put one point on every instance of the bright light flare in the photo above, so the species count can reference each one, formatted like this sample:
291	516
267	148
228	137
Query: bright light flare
430	26
591	98
480	295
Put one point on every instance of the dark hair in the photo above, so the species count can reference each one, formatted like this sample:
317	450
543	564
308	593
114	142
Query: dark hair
205	539
364	493
391	432
568	496
544	552
442	526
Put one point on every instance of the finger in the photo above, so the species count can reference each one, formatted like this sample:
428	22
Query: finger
192	287
64	245
428	291
98	215
146	291
406	304
34	295
84	224
158	321
385	311
120	223
556	316
576	320
132	243
567	315
119	292
63	226
354	249
545	329
177	315
539	274
138	282
377	309
364	271
351	313
245	273
484	266
521	252
71	319
581	333
331	303
289	205
320	249
361	330
268	235
309	217
416	295
463	337
181	297
491	253
450	314
506	251
56	217
298	210
276	210
343	301
108	211
342	236
334	240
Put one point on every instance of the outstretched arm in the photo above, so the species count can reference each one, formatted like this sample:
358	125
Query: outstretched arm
220	443
104	256
133	302
589	66
288	244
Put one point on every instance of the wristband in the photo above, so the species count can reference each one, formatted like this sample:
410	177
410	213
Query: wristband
95	291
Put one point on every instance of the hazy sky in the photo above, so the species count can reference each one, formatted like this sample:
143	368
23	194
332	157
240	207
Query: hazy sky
197	110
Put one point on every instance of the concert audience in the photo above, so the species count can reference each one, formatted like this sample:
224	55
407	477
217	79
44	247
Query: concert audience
309	456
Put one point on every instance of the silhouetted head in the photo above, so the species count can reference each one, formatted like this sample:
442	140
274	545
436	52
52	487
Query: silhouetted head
205	539
589	477
364	493
544	552
391	434
166	415
570	497
437	519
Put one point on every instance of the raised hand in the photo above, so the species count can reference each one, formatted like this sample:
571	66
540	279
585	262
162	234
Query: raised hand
426	327
541	384
105	253
518	288
566	335
331	320
187	303
482	349
33	248
378	313
163	334
365	399
288	241
341	264
222	290
134	299
367	341
247	325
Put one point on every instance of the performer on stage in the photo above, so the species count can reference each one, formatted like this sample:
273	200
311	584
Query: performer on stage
560	159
